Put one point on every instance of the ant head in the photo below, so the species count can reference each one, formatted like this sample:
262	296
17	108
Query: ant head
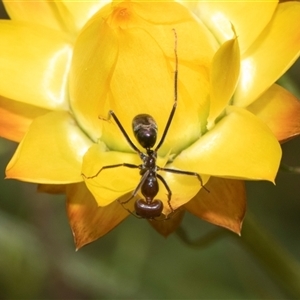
148	210
145	130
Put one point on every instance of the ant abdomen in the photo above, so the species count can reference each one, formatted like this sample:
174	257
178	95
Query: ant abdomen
148	210
145	130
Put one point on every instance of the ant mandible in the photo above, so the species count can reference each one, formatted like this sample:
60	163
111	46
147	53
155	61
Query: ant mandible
145	130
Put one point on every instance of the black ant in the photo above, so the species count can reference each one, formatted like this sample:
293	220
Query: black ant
145	130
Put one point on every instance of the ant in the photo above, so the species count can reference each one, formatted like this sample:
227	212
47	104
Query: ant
145	131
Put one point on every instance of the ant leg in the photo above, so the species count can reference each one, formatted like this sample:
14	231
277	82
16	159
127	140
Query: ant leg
136	189
110	167
129	141
138	217
185	173
111	114
108	119
168	189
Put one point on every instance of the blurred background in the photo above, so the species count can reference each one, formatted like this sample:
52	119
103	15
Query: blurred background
38	258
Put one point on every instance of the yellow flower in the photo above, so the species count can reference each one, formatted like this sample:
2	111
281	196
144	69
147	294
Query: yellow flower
62	76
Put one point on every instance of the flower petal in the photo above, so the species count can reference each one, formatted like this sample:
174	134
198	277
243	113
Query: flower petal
183	187
111	183
51	151
88	221
142	93
224	75
15	118
239	146
82	11
54	14
271	54
219	16
280	110
34	64
88	77
134	68
224	205
168	226
65	15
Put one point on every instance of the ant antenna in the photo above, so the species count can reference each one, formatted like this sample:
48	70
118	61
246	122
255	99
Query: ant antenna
175	96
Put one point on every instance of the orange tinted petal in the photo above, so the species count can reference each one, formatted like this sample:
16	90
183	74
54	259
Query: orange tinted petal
280	110
224	205
88	221
166	227
15	118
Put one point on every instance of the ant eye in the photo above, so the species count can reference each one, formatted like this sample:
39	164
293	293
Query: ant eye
145	130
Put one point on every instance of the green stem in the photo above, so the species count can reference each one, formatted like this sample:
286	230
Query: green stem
289	169
203	241
282	267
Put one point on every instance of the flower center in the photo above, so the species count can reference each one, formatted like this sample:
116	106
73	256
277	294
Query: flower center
121	16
